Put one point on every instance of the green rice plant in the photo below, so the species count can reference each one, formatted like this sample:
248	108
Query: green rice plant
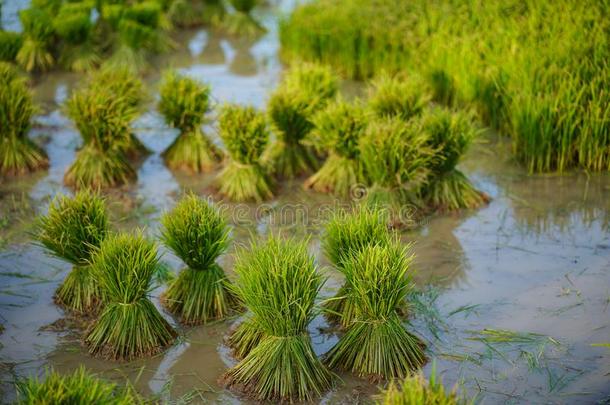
345	235
71	230
244	133
278	282
241	22
129	326
398	96
18	154
35	53
338	129
74	27
245	337
214	12
197	233
186	13
377	344
78	387
184	103
10	43
305	90
449	134
395	157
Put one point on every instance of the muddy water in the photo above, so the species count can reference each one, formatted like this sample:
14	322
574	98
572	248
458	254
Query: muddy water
535	261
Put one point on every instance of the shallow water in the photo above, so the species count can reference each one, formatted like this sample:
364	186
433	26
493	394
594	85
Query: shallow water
535	260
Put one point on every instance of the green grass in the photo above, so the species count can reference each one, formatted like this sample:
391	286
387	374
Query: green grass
18	154
278	282
78	387
377	344
244	133
402	97
71	230
338	129
197	233
184	103
129	325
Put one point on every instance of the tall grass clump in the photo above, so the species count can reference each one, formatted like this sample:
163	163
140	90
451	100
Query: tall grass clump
78	387
345	235
241	21
377	344
397	96
72	230
129	326
197	233
338	129
35	53
184	103
415	390
244	133
18	154
305	90
10	43
449	134
75	29
278	282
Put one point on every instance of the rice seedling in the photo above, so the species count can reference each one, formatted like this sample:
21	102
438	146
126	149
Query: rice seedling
35	53
245	337
305	90
129	325
338	129
18	154
197	233
78	387
396	96
74	27
449	134
240	21
71	230
278	282
184	103
345	235
10	43
377	344
185	13
244	133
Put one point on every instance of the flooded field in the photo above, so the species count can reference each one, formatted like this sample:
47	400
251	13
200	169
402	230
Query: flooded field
513	299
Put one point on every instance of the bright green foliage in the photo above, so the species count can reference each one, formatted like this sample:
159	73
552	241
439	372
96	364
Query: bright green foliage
244	133
72	230
197	233
377	344
345	235
338	129
415	390
37	36
129	325
245	337
184	103
79	387
18	154
396	96
278	282
10	43
74	27
449	134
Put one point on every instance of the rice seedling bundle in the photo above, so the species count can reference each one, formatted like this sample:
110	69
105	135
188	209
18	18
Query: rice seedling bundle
35	52
345	235
415	390
129	326
244	133
78	387
18	154
186	13
241	22
278	282
10	43
338	129
377	344
184	103
197	233
449	134
396	96
74	27
305	90
72	230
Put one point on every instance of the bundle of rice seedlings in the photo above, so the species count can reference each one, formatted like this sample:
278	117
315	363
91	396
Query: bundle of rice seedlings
184	103
338	129
397	96
449	134
278	282
241	22
10	43
377	344
244	133
197	233
37	38
395	156
185	13
18	154
72	230
245	337
74	27
129	325
79	387
345	235
305	90
213	12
